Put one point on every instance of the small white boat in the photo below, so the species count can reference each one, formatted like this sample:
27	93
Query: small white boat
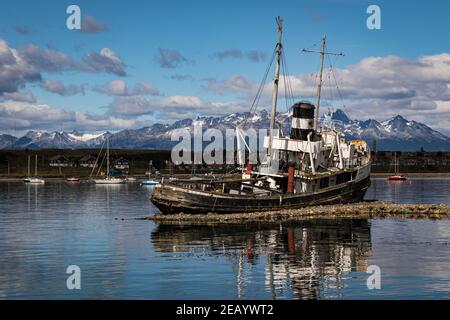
73	180
149	182
131	179
109	180
396	176
33	180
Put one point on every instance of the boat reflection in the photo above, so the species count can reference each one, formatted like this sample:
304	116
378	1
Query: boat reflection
307	260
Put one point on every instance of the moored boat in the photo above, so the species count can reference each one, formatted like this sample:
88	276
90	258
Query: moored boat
108	179
310	166
35	179
73	180
396	176
149	182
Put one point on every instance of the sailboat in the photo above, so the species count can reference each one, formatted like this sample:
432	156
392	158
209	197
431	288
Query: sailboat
396	176
310	166
34	179
150	181
108	179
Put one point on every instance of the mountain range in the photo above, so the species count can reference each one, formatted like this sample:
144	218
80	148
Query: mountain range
396	133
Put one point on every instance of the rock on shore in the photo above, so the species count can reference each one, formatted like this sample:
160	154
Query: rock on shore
375	209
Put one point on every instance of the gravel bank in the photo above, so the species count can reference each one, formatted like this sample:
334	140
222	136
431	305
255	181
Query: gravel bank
375	209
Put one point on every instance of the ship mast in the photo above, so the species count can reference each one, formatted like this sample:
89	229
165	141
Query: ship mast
319	87
107	158
275	90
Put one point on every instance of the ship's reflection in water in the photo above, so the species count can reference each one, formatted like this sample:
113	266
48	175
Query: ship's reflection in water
304	260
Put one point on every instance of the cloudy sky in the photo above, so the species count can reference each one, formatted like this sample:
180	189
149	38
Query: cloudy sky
134	63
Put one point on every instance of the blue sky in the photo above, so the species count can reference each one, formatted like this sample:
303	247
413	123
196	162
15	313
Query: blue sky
186	58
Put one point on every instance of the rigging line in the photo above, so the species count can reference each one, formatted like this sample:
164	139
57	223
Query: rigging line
314	45
264	80
98	156
291	91
261	86
331	92
290	86
285	80
286	95
101	165
335	81
259	93
314	89
289	94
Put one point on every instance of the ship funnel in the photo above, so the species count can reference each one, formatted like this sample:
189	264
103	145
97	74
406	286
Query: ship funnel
302	120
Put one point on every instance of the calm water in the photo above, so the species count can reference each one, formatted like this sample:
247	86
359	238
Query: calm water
43	229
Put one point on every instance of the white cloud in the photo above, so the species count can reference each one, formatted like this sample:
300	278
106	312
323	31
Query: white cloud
91	25
236	85
105	61
171	108
375	87
19	96
15	71
30	116
19	67
119	88
170	59
56	86
386	78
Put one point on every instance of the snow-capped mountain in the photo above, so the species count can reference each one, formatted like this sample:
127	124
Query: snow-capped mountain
6	140
55	139
396	133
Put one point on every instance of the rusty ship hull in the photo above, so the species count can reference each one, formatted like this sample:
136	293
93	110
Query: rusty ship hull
173	199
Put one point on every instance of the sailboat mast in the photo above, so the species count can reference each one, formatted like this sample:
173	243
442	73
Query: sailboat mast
107	157
319	87
35	166
396	163
275	89
29	164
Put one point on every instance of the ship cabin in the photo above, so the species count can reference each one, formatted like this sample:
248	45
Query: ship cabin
310	160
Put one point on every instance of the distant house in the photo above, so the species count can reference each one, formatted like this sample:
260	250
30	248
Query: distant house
60	161
88	162
121	164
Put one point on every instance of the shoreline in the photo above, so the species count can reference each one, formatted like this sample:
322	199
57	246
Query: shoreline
364	210
373	175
